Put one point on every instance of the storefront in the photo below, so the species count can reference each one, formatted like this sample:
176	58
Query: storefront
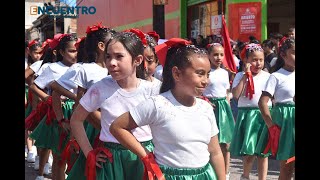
203	18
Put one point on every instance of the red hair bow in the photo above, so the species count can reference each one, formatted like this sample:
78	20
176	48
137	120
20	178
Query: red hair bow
139	33
94	28
32	43
162	49
45	43
155	35
56	39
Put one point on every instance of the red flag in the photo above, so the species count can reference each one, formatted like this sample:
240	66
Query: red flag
228	61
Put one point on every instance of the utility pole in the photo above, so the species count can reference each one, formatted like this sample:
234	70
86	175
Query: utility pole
56	5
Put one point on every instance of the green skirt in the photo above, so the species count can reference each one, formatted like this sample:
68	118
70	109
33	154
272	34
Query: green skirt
204	173
48	135
248	129
28	109
125	166
224	118
284	116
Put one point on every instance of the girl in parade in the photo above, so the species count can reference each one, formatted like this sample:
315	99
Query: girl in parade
184	128
151	62
91	72
280	129
247	87
47	133
34	52
217	92
115	95
31	122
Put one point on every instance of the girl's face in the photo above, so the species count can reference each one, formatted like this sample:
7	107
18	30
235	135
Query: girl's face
69	54
194	79
289	57
150	60
36	54
256	59
119	61
216	56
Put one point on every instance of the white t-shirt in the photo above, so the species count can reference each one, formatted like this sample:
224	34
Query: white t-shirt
156	84
259	82
236	61
158	73
181	134
281	85
42	68
53	72
218	84
113	102
88	74
36	66
66	80
273	61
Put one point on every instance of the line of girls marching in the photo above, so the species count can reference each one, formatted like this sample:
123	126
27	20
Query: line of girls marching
94	106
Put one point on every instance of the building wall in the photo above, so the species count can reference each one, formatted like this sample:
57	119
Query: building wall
282	13
123	14
30	18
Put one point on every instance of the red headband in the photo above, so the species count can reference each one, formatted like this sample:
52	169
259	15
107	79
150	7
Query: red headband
94	28
162	49
214	44
155	35
32	43
282	40
139	33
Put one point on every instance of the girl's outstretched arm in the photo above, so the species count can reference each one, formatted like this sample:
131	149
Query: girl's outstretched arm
120	129
216	158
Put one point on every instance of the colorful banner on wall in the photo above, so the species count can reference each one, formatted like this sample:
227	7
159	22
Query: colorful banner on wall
247	18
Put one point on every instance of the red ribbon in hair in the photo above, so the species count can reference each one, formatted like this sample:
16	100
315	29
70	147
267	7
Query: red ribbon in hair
155	35
90	171
32	43
94	28
66	155
139	33
151	168
56	39
79	41
45	45
162	49
250	85
273	139
282	41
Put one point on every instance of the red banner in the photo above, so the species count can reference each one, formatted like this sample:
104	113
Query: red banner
245	20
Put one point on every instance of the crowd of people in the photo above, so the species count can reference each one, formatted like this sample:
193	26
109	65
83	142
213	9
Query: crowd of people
118	105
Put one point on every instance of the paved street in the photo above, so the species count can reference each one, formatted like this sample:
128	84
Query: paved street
235	169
